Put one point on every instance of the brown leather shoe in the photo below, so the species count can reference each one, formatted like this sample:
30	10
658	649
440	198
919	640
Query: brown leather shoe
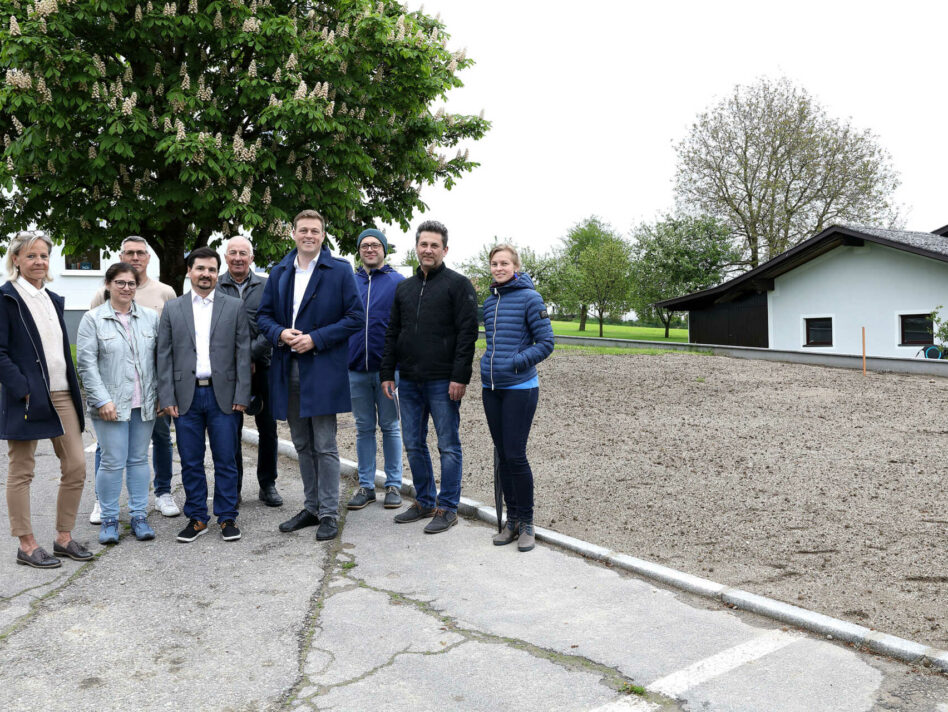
39	559
73	550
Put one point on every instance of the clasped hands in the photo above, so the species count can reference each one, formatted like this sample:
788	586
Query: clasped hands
297	341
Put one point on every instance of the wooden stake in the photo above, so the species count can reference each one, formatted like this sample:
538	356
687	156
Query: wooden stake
863	351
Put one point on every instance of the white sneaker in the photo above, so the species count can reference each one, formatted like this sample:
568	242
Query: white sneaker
165	504
96	516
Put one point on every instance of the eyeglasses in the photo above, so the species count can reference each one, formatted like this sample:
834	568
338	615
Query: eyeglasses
370	246
135	253
122	284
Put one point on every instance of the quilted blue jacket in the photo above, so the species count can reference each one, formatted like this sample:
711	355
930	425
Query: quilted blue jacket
519	333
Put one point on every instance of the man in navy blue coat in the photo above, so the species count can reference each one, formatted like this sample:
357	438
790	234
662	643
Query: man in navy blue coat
310	308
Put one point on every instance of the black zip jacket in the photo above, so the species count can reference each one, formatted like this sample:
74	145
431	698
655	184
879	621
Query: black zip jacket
432	328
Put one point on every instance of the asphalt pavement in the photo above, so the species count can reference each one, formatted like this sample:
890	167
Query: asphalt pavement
389	618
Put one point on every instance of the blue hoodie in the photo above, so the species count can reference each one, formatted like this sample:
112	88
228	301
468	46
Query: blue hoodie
377	291
519	333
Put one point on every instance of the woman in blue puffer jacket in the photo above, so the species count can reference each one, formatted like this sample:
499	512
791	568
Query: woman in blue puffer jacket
519	336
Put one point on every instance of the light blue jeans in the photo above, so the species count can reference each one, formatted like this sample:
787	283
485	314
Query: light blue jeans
370	405
124	446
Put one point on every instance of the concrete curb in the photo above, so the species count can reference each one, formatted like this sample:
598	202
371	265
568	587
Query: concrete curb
834	628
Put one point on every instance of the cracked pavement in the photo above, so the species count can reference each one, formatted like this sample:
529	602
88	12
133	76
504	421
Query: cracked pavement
388	618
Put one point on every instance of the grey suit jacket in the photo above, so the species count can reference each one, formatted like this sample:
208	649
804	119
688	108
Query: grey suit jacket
230	353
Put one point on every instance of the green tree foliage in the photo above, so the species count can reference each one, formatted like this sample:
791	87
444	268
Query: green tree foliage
584	235
182	121
677	256
770	162
603	277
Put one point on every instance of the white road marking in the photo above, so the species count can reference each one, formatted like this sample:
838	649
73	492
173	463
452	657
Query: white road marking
627	704
675	684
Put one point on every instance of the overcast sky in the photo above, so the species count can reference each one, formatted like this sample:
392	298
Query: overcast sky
588	99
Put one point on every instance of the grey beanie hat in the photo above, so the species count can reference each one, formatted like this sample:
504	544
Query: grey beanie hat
374	233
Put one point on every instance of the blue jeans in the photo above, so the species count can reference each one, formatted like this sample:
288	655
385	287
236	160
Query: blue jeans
418	400
161	454
509	416
369	404
124	449
205	415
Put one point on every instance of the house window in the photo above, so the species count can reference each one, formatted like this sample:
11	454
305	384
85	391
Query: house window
819	332
916	329
88	260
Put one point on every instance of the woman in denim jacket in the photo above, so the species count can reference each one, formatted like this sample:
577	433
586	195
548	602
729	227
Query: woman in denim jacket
116	350
519	336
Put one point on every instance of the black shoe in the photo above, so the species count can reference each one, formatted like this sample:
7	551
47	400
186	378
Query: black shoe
39	559
229	530
327	529
300	521
361	499
192	531
74	550
270	497
443	520
414	513
393	500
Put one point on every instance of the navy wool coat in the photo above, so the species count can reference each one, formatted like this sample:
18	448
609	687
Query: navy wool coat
23	371
330	312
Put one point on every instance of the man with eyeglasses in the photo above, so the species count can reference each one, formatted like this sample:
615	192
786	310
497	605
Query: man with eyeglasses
152	294
309	310
377	282
245	284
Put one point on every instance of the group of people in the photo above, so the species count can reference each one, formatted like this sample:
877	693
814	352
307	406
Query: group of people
308	342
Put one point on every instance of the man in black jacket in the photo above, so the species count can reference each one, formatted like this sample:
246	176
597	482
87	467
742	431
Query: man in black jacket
430	340
240	281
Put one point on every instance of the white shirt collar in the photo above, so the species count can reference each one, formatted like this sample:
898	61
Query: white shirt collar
310	268
30	289
196	298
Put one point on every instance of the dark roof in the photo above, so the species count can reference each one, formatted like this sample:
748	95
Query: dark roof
927	244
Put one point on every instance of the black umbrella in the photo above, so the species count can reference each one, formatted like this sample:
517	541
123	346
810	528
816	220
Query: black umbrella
498	492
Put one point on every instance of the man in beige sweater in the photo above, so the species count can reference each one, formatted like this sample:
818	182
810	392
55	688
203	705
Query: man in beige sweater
152	294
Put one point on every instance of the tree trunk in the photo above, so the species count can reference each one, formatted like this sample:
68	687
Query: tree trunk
600	325
665	317
174	266
583	311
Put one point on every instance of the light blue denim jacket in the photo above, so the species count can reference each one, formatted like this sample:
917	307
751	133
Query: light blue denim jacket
107	365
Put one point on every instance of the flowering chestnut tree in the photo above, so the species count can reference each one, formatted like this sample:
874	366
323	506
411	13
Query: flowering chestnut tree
188	121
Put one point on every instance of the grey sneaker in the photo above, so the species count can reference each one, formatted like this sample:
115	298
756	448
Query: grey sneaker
414	513
393	500
510	533
443	520
361	499
526	540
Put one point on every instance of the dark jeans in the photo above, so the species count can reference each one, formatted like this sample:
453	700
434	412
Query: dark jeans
417	401
205	415
509	417
267	428
161	451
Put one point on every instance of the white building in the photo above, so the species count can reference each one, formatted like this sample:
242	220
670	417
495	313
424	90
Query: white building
820	295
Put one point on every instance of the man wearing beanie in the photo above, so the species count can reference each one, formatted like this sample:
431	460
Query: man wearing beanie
376	281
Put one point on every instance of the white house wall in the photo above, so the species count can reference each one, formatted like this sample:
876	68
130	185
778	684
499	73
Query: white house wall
869	286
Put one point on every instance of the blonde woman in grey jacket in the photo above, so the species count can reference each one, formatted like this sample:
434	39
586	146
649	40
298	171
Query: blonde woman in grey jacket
116	350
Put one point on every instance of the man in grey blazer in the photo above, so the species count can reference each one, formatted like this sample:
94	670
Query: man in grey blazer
204	384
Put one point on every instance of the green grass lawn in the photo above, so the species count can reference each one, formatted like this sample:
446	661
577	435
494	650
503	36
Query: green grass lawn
609	331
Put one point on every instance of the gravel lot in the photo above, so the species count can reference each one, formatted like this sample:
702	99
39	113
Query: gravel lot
816	486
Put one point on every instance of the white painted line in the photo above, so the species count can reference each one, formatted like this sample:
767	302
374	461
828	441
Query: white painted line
627	704
677	683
